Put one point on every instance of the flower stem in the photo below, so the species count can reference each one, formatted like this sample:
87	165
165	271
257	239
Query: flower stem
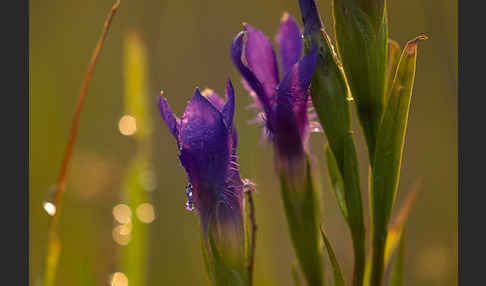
254	228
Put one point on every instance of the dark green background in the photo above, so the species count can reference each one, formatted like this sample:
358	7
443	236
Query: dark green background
188	46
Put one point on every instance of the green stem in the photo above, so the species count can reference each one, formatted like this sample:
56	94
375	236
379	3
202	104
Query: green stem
302	214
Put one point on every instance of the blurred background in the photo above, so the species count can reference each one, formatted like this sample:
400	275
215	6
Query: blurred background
187	46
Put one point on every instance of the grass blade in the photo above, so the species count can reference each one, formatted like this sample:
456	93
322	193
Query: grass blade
388	156
336	269
336	181
295	274
393	58
136	189
53	243
399	265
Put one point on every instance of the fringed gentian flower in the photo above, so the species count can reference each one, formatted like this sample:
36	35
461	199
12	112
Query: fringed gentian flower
283	104
207	143
284	108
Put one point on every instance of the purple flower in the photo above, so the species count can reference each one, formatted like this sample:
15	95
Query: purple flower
284	104
207	142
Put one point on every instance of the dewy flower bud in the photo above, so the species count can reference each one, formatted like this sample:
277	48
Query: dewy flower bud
207	143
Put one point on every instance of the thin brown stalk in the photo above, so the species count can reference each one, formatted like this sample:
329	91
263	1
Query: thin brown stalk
53	245
254	228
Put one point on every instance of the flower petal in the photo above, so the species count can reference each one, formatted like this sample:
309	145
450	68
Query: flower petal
292	103
310	17
214	98
204	148
248	75
289	40
228	109
170	119
261	59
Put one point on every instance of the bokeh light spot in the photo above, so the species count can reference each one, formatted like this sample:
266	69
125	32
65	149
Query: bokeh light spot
145	213
119	279
127	125
122	213
121	234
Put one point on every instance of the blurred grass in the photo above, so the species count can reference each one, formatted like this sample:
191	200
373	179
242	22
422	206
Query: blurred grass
188	46
138	182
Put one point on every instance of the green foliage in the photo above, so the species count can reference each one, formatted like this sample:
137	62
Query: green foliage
331	100
336	269
52	258
393	59
361	36
388	156
219	269
295	274
302	211
336	181
370	71
134	255
399	265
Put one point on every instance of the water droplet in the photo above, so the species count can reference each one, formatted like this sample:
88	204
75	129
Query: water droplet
48	204
189	191
189	206
350	98
50	208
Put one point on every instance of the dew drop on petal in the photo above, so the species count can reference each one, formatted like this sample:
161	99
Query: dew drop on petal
189	206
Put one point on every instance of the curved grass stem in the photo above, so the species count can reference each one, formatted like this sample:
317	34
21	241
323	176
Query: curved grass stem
53	243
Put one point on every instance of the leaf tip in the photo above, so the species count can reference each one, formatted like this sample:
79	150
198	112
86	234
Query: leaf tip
412	44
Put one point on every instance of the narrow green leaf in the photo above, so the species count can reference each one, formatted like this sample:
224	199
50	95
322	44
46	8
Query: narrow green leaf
388	156
361	33
396	278
393	58
137	184
302	212
336	269
295	274
331	100
135	74
336	181
52	259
